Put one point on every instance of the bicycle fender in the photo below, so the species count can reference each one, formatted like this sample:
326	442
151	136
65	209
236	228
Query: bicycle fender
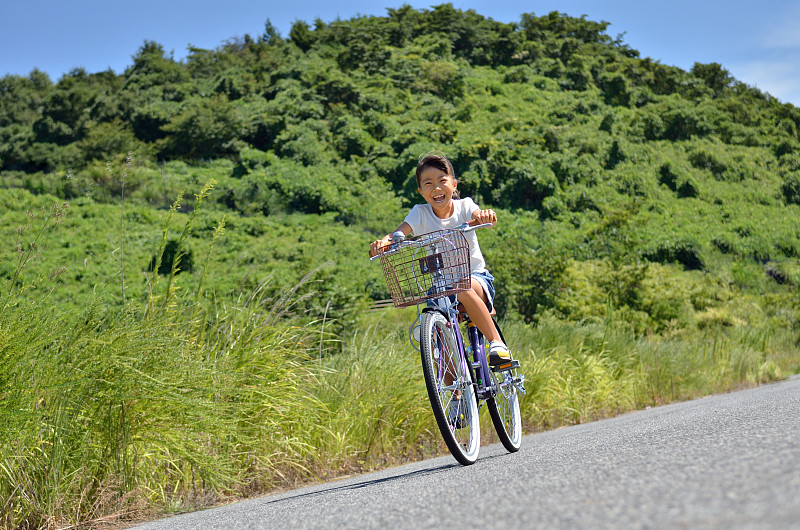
436	310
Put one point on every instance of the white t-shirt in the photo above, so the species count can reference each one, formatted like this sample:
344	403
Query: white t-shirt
422	220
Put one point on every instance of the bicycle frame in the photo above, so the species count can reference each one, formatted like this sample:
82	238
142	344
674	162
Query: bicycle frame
483	389
477	367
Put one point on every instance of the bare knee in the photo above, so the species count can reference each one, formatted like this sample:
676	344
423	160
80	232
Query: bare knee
470	298
477	288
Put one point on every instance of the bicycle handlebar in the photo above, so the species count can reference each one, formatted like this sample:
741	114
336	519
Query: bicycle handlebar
466	227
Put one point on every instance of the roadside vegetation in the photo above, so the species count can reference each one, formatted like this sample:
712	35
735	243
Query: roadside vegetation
185	299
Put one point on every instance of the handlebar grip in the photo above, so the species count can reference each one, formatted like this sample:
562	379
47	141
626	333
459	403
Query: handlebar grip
473	225
381	251
386	248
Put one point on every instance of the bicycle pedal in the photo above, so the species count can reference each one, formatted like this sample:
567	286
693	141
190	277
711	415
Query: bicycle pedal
505	366
519	382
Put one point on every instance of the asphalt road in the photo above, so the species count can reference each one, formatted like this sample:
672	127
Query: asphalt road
727	461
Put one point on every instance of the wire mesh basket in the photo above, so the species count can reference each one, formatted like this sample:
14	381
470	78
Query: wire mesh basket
430	266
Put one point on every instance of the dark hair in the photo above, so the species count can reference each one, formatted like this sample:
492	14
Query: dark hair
440	162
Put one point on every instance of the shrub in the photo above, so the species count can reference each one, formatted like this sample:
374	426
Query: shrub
570	169
685	252
518	74
552	207
252	159
108	141
615	155
528	271
790	188
683	123
616	90
581	199
442	78
632	183
676	179
48	157
703	159
304	143
525	185
676	119
351	138
714	75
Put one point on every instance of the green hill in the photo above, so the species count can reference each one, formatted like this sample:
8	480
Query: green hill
589	151
657	205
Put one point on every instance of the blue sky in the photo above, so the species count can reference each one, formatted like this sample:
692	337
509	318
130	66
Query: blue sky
758	42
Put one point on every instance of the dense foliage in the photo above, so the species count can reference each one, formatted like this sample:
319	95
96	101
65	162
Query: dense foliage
600	162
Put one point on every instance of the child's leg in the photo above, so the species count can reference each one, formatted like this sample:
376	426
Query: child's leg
474	301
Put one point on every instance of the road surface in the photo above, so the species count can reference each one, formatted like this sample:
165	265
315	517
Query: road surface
727	461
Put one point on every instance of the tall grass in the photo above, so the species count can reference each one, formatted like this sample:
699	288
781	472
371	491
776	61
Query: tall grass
119	413
376	405
191	400
119	416
579	373
126	411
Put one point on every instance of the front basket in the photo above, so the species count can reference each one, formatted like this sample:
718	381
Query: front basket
430	266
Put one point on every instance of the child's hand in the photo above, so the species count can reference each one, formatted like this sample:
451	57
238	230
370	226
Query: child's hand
376	246
485	216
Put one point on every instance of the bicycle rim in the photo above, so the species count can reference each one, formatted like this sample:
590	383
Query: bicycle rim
446	377
504	410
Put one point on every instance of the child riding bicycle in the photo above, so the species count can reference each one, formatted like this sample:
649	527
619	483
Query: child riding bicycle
444	209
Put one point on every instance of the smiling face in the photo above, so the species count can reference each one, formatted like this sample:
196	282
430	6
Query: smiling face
437	188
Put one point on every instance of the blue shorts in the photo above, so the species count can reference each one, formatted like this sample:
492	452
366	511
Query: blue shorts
486	280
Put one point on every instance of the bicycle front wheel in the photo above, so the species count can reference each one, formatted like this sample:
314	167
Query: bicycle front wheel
450	389
504	410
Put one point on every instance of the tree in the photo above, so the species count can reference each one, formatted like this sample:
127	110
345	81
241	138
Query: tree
714	75
301	35
271	35
206	128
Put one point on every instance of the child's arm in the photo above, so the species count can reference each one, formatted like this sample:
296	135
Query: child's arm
377	245
485	216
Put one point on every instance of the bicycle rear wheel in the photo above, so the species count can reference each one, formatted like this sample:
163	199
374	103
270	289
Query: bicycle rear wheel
504	410
450	389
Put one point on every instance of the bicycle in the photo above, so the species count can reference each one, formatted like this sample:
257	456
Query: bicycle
431	269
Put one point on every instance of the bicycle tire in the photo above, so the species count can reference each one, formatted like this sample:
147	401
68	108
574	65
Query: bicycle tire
442	360
504	410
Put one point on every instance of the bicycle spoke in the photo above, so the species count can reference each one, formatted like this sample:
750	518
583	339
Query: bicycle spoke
451	395
504	410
